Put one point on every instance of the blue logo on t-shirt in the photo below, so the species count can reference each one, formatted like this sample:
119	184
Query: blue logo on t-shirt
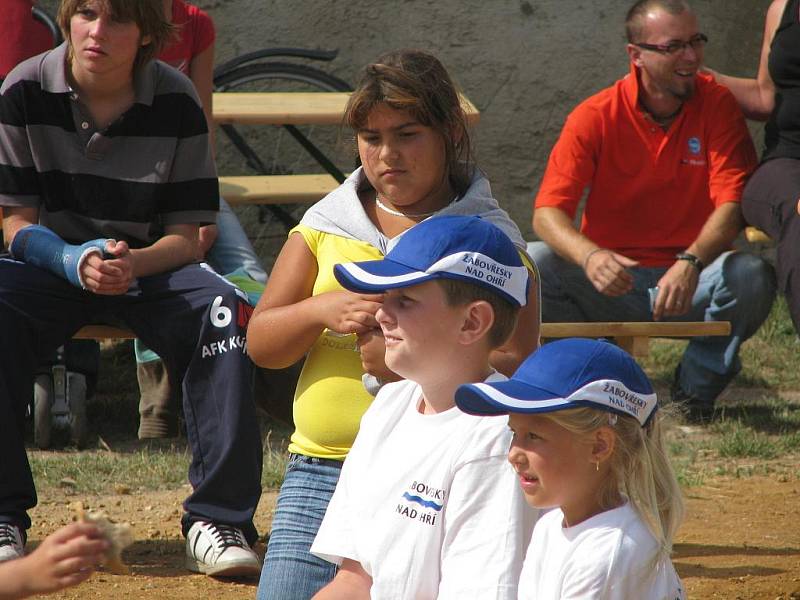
694	145
425	503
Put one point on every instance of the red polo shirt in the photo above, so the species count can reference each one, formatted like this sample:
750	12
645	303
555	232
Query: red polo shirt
650	191
22	36
195	34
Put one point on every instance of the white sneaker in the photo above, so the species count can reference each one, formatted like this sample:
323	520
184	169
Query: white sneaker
11	546
219	550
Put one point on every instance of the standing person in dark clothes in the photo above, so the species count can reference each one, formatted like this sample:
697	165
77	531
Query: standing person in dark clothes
770	200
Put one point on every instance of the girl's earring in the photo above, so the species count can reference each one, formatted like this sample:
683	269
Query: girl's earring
597	466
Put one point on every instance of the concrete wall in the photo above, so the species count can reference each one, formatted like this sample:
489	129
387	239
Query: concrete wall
524	63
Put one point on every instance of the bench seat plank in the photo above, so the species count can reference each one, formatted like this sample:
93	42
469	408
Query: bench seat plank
632	337
755	236
276	189
103	332
292	108
632	329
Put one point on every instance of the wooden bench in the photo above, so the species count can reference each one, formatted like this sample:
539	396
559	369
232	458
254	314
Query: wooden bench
327	108
275	189
632	337
293	108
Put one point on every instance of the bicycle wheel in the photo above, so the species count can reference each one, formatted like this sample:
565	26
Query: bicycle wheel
272	150
46	19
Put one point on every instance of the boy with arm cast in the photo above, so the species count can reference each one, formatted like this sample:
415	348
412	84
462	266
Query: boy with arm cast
106	176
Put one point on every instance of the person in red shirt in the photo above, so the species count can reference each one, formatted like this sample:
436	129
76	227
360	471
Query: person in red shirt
770	200
22	37
665	154
192	52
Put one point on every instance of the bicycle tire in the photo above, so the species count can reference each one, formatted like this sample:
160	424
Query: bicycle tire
45	18
282	52
312	75
269	150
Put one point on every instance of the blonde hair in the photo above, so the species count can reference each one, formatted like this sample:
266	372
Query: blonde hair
640	468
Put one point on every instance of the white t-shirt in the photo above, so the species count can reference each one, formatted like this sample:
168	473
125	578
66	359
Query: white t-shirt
606	557
427	504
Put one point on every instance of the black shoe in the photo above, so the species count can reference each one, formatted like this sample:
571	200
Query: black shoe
696	411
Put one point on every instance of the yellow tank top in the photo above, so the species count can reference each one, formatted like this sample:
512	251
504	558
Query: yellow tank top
330	398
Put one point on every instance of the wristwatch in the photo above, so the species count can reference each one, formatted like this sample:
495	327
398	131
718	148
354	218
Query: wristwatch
696	262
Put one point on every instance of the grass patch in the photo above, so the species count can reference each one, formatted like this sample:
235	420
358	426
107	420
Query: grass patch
741	442
98	471
688	476
152	467
118	458
791	442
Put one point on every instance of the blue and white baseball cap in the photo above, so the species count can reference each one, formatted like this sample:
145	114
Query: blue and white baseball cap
453	247
567	373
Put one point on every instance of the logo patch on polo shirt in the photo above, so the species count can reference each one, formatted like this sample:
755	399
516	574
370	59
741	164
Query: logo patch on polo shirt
694	145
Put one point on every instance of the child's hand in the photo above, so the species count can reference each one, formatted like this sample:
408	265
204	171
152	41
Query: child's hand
65	558
372	347
111	275
346	312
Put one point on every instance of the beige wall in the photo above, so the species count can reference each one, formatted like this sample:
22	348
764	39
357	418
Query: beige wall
524	64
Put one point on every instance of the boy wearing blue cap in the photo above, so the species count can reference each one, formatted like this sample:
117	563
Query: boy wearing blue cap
423	508
587	442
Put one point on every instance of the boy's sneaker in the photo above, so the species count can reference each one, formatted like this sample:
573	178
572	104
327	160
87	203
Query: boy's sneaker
219	550
11	545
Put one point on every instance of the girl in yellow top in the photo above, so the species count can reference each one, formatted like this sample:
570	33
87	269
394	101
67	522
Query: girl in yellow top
414	148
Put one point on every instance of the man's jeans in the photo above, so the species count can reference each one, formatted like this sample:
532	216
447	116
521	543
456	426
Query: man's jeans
232	250
290	571
736	287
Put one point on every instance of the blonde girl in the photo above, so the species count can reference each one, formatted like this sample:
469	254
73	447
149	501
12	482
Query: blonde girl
588	444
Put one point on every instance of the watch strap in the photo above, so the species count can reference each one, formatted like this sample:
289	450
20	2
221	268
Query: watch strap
688	256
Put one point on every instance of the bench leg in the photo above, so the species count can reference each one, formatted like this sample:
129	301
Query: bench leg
634	345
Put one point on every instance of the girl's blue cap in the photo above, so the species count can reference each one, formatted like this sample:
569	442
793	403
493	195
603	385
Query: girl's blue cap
455	247
567	373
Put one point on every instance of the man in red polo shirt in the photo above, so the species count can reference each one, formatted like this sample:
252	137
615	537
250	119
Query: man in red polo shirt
665	154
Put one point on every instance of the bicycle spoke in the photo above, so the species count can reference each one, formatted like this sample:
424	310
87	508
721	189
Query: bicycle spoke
272	150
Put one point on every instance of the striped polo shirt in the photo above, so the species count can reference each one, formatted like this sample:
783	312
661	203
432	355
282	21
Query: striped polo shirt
150	168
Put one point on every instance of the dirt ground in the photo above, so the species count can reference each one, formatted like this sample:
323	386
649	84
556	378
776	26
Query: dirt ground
741	541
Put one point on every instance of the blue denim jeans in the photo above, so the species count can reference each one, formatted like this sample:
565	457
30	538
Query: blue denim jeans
232	249
290	571
736	287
